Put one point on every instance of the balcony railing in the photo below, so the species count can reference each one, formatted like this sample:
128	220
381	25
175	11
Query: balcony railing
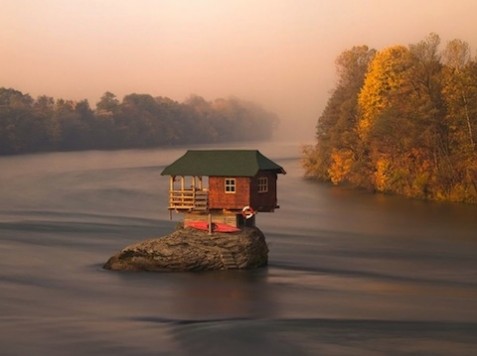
188	199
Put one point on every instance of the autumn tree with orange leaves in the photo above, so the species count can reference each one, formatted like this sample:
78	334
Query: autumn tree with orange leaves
409	128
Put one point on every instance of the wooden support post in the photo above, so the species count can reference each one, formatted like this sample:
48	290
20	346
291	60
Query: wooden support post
210	223
171	192
200	183
171	183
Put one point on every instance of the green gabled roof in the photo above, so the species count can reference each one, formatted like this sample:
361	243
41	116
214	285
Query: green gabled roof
221	163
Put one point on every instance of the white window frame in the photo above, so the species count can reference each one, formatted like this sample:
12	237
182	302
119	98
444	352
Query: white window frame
230	185
262	184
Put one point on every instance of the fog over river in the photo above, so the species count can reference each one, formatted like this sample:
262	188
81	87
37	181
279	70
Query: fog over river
349	272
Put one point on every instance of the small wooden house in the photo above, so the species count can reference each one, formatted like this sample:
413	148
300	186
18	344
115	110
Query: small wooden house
223	183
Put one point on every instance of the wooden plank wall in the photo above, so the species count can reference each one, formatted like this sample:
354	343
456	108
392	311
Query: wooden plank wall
223	218
219	199
266	201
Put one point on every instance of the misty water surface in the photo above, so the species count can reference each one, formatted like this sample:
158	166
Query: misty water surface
350	272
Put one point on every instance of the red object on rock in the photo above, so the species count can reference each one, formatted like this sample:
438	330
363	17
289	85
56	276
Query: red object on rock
216	227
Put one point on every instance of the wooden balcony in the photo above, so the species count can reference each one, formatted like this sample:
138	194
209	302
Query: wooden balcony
188	199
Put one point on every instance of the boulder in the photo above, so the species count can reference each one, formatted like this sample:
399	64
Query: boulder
188	249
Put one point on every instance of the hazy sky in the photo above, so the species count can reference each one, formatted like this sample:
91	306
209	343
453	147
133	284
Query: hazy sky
279	53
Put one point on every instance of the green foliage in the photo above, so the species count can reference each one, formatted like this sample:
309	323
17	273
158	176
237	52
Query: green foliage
409	127
140	120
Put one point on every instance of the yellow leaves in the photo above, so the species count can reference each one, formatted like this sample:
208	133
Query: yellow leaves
364	125
388	73
409	174
461	192
341	164
409	127
381	174
466	189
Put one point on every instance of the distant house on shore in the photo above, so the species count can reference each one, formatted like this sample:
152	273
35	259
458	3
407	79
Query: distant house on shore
227	186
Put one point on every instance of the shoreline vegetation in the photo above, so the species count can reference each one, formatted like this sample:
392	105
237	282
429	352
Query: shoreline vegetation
402	120
46	124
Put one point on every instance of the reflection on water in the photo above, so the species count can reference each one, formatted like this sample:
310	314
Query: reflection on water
350	272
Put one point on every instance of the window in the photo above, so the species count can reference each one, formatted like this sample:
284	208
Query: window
229	185
262	184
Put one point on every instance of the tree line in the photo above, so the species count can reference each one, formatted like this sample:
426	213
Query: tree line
139	120
401	120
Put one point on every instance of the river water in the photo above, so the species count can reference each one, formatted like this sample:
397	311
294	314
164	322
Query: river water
349	272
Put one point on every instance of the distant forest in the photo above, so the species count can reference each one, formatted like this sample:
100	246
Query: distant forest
138	121
401	120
